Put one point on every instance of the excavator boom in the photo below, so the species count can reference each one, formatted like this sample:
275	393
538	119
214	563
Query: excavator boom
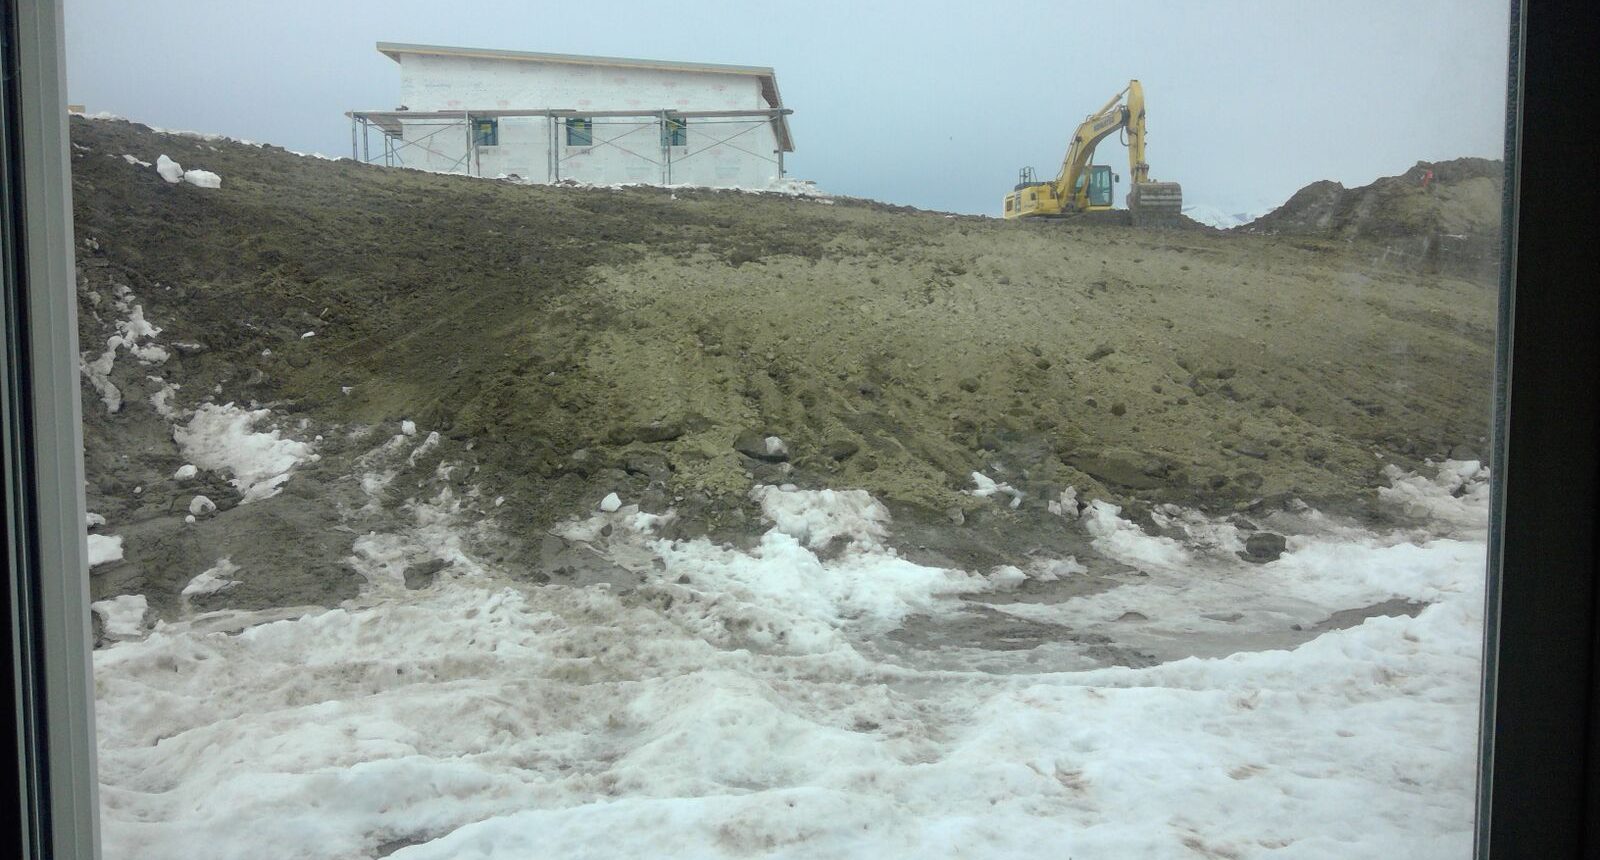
1081	186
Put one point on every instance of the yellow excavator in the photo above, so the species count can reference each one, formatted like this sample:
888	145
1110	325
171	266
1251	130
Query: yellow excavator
1083	187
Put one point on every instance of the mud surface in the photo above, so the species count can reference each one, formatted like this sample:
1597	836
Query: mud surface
567	343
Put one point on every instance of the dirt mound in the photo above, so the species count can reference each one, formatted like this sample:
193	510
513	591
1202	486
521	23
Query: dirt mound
1437	216
679	347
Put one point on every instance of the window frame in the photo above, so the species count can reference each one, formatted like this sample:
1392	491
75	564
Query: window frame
674	130
579	125
485	131
1539	775
47	648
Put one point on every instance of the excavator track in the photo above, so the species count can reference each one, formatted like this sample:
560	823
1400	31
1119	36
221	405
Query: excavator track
1156	204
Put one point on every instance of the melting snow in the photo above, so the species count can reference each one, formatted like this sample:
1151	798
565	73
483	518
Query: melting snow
224	438
104	549
123	615
213	579
170	170
733	706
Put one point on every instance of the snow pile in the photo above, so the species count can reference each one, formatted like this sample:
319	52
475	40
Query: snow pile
170	170
133	160
104	549
1212	216
223	438
733	706
174	173
202	179
781	597
123	615
1126	542
787	186
1458	493
818	517
1066	504
793	187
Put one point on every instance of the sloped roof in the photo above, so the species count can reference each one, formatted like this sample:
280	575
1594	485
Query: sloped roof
766	77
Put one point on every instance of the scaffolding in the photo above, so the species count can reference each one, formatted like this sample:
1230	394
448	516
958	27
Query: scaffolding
430	133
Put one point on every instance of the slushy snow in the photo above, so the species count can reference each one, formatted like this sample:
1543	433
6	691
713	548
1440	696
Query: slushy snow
738	704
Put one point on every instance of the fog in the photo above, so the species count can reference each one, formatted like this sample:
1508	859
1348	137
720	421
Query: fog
929	104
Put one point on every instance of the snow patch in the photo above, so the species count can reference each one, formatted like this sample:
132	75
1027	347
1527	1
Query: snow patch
122	616
170	170
985	486
1458	493
1126	542
202	179
223	438
213	579
817	517
104	549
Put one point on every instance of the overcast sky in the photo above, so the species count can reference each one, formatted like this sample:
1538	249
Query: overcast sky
933	104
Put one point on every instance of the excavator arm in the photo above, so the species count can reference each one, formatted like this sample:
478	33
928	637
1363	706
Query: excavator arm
1111	117
1148	202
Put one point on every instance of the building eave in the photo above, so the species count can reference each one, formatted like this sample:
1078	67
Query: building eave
766	77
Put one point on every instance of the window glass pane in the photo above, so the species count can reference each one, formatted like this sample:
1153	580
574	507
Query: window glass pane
579	132
486	132
674	131
831	487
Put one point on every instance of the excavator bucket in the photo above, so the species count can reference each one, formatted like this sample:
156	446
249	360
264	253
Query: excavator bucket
1156	204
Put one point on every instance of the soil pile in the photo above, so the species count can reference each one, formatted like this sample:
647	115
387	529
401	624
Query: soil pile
678	347
1437	216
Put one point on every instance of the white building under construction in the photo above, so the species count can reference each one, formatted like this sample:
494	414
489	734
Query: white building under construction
555	117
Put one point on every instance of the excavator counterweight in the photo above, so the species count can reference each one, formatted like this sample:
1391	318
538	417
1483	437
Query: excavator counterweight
1084	187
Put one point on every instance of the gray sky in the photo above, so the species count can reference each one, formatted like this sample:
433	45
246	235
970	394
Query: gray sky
933	104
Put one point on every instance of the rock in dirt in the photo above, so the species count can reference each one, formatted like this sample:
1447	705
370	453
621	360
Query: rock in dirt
1263	547
1121	468
758	446
653	431
424	574
649	464
841	449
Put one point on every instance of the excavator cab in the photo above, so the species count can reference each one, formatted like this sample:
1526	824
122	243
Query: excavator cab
1099	178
